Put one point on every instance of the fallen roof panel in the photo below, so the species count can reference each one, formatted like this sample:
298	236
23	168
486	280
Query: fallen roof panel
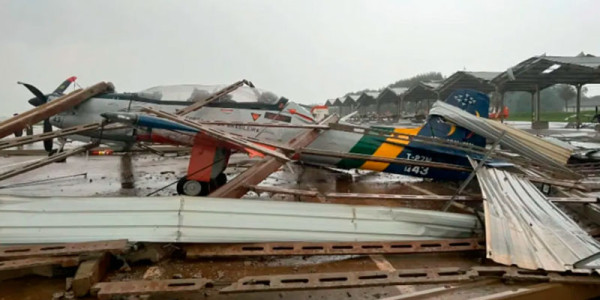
187	219
523	228
529	146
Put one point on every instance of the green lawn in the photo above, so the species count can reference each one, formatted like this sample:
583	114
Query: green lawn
552	116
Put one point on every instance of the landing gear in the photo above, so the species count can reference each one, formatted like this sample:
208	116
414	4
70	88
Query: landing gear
192	187
221	180
199	188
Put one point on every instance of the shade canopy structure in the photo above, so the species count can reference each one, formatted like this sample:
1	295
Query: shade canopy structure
422	91
367	103
348	104
390	100
351	99
480	81
391	95
539	72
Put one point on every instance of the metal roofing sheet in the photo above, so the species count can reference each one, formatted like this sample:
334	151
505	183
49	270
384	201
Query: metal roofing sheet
523	228
372	94
484	75
586	61
186	219
537	150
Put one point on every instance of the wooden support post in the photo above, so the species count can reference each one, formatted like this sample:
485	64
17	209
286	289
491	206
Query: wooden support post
51	108
89	273
238	186
46	161
198	104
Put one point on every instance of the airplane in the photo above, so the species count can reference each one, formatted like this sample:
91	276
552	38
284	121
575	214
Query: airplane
238	111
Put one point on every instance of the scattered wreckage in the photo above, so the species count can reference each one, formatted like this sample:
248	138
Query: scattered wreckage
523	232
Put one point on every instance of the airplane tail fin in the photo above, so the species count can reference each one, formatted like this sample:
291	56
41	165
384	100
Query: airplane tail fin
472	101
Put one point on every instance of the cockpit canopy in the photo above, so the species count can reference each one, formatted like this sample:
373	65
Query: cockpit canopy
197	92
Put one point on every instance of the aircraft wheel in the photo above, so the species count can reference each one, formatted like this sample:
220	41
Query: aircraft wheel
192	187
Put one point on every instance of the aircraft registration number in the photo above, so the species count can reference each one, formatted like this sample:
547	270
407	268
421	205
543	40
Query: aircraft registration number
418	170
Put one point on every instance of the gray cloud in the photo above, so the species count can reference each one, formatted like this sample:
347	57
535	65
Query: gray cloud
305	50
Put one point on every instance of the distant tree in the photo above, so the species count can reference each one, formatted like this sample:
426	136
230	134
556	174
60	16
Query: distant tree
566	93
412	81
361	91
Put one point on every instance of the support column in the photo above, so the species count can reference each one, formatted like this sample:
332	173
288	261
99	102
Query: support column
537	103
578	115
502	107
532	108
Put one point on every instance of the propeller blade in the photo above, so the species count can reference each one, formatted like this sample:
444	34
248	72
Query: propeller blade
63	86
48	144
35	91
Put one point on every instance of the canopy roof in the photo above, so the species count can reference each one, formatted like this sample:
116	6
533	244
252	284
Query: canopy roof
544	71
391	95
367	98
421	91
479	81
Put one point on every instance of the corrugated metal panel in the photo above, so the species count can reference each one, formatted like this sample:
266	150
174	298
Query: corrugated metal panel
523	228
539	151
184	219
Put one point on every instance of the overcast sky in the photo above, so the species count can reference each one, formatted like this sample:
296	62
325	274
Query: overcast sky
305	50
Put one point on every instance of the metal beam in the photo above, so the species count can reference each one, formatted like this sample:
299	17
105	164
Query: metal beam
169	288
12	252
398	277
398	197
400	161
198	104
218	134
238	187
331	248
8	143
544	291
46	161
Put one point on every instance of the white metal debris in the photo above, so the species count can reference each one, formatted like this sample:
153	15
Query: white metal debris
523	228
186	219
537	150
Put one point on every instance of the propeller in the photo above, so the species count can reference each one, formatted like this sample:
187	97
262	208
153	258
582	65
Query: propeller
40	99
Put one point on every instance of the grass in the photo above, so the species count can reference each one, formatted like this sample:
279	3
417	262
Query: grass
559	116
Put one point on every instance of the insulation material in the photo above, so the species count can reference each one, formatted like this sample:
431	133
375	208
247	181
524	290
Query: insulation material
539	151
523	228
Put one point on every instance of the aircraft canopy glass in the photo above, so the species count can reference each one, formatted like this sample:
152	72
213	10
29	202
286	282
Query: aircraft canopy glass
196	92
